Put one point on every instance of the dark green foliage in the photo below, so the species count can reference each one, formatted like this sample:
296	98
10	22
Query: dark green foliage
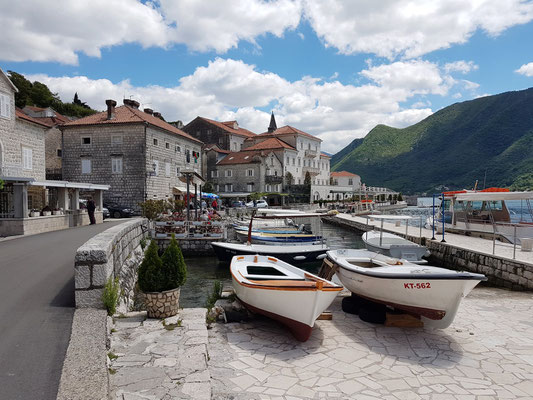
38	94
490	136
174	268
150	270
110	295
152	208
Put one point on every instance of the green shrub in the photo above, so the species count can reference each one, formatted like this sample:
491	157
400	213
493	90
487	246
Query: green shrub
214	296
174	268
111	295
150	271
152	208
142	242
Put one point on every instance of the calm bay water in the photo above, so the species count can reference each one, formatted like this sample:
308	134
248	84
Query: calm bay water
204	271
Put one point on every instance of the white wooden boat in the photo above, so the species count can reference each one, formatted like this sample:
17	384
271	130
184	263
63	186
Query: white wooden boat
278	238
394	246
282	292
432	293
296	253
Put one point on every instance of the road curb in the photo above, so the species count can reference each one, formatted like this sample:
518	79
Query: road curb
84	375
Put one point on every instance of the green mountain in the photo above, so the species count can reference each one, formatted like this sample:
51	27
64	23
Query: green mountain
489	139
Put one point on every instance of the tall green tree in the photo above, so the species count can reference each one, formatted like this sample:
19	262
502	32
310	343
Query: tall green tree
24	86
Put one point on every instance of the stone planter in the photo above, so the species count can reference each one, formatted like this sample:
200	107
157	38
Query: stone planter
162	304
58	212
35	214
47	213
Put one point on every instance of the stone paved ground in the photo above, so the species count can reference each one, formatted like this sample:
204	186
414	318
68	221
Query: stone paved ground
487	353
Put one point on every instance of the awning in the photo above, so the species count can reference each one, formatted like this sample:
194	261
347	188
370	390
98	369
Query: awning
182	189
70	185
494	196
234	194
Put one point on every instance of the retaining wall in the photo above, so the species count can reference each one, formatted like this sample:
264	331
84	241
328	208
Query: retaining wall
115	252
192	246
500	271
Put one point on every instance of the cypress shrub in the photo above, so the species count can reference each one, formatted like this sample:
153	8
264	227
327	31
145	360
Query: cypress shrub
151	278
174	268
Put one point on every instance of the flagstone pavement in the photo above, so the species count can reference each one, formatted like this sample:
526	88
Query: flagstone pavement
487	353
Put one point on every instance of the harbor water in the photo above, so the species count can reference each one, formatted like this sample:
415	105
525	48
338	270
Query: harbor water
204	271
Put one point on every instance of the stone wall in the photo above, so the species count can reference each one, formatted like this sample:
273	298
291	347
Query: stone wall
113	253
34	225
500	271
52	145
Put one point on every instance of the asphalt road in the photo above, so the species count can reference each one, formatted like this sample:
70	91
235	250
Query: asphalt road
36	309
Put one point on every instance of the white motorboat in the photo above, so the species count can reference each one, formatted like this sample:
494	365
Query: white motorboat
484	213
278	238
432	293
395	246
295	253
281	291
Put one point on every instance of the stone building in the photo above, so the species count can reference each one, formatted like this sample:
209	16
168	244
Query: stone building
241	173
28	201
53	144
137	153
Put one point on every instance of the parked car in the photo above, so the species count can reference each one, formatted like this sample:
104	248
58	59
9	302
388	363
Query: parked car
118	211
258	204
237	203
106	213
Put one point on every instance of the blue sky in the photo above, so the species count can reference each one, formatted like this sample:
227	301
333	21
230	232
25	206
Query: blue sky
332	68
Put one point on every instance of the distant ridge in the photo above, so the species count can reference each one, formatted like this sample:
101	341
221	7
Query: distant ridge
489	139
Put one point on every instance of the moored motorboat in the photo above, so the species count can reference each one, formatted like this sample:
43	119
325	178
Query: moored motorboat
297	253
395	246
267	238
432	293
278	290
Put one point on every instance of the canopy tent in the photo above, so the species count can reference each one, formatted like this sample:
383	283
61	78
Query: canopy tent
210	195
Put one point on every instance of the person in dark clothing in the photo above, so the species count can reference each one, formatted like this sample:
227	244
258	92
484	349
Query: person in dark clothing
90	209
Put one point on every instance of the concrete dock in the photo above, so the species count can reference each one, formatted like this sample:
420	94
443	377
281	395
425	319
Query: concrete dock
487	353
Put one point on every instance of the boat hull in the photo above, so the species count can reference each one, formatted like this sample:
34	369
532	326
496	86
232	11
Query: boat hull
435	298
295	257
395	246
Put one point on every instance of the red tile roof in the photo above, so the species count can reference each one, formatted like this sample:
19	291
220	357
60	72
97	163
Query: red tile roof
241	157
324	155
21	115
215	147
58	119
271	143
228	127
338	174
129	115
288	130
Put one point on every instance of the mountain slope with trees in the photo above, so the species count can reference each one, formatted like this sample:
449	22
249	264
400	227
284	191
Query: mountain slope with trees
37	94
489	139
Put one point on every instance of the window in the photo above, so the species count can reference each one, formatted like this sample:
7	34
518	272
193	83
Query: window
167	145
293	161
177	171
272	161
299	161
178	149
155	166
59	153
86	167
167	169
229	173
276	173
214	174
250	187
350	182
217	188
229	187
267	188
155	142
5	106
188	155
116	165
116	139
221	140
86	140
250	172
27	158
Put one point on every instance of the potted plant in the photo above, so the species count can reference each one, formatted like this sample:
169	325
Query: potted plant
35	213
160	279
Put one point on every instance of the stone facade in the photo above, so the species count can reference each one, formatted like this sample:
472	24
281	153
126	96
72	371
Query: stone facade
17	136
162	304
151	160
53	150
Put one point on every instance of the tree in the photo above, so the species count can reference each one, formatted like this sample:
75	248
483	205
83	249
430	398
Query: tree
152	208
78	102
174	269
400	198
208	187
41	96
150	270
307	179
24	86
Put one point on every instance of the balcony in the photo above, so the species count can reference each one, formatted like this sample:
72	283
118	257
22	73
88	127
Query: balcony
311	153
312	171
273	179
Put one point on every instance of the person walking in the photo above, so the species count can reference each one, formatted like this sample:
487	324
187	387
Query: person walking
214	204
91	207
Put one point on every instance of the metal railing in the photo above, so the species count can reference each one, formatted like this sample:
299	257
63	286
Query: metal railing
189	229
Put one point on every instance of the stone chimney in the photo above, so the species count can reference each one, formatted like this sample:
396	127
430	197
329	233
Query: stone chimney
148	111
111	108
157	114
131	103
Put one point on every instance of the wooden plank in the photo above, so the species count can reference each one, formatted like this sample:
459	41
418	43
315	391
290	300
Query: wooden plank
326	315
403	321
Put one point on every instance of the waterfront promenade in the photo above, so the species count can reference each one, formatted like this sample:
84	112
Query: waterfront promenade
479	245
487	353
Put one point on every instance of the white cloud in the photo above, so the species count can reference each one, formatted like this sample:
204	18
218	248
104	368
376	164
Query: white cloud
461	66
526	70
229	89
410	28
34	30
